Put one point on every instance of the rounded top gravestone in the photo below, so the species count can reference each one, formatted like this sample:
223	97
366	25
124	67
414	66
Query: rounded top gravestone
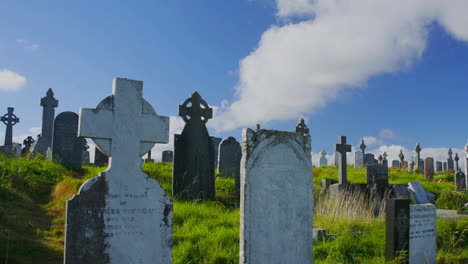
66	146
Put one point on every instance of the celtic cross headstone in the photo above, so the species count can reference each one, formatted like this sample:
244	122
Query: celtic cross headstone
9	119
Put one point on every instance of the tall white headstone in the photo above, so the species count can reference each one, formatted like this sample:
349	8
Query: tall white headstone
276	198
121	216
422	237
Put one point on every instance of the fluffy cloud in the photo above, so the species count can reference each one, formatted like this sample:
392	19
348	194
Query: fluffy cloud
11	81
387	134
370	141
299	67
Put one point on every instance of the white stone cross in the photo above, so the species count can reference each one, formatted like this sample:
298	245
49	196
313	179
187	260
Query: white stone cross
124	125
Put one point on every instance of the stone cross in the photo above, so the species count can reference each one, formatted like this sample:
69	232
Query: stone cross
9	119
450	165
194	150
302	128
418	157
363	150
124	213
27	142
48	113
456	161
120	131
341	149
199	110
402	159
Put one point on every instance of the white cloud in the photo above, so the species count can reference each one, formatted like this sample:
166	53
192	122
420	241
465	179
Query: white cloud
387	134
11	81
300	67
370	141
27	44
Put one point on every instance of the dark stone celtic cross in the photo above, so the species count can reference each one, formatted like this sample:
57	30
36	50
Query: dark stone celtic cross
302	128
197	111
27	142
9	119
341	149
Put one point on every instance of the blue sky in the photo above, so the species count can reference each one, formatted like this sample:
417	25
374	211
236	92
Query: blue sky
395	78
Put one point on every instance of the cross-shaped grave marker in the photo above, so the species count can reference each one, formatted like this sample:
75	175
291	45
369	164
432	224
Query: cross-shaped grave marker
9	119
341	149
123	212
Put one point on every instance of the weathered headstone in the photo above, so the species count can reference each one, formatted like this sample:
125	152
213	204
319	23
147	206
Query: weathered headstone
412	164
363	151
167	156
121	216
100	159
418	192
450	163
402	159
27	142
438	166
230	154
456	161
44	140
216	142
9	119
395	164
342	149
429	169
358	160
85	153
370	159
385	160
323	158
397	220
445	166
193	166
276	197
422	237
417	149
67	148
377	174
460	181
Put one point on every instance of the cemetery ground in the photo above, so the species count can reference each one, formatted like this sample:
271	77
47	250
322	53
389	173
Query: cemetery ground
32	216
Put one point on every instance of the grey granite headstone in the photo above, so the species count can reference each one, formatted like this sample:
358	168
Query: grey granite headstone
27	142
276	198
230	154
445	166
400	191
438	166
167	156
121	216
397	220
216	142
193	167
100	159
44	140
377	175
460	181
418	192
323	158
67	148
9	119
450	163
341	149
358	160
429	169
395	164
422	237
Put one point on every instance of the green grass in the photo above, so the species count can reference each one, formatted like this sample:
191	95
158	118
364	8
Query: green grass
32	205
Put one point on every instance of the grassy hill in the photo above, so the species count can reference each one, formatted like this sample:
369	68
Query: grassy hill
32	207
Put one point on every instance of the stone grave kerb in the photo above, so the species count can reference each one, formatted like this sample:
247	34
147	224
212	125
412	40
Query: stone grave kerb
9	119
342	148
124	126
